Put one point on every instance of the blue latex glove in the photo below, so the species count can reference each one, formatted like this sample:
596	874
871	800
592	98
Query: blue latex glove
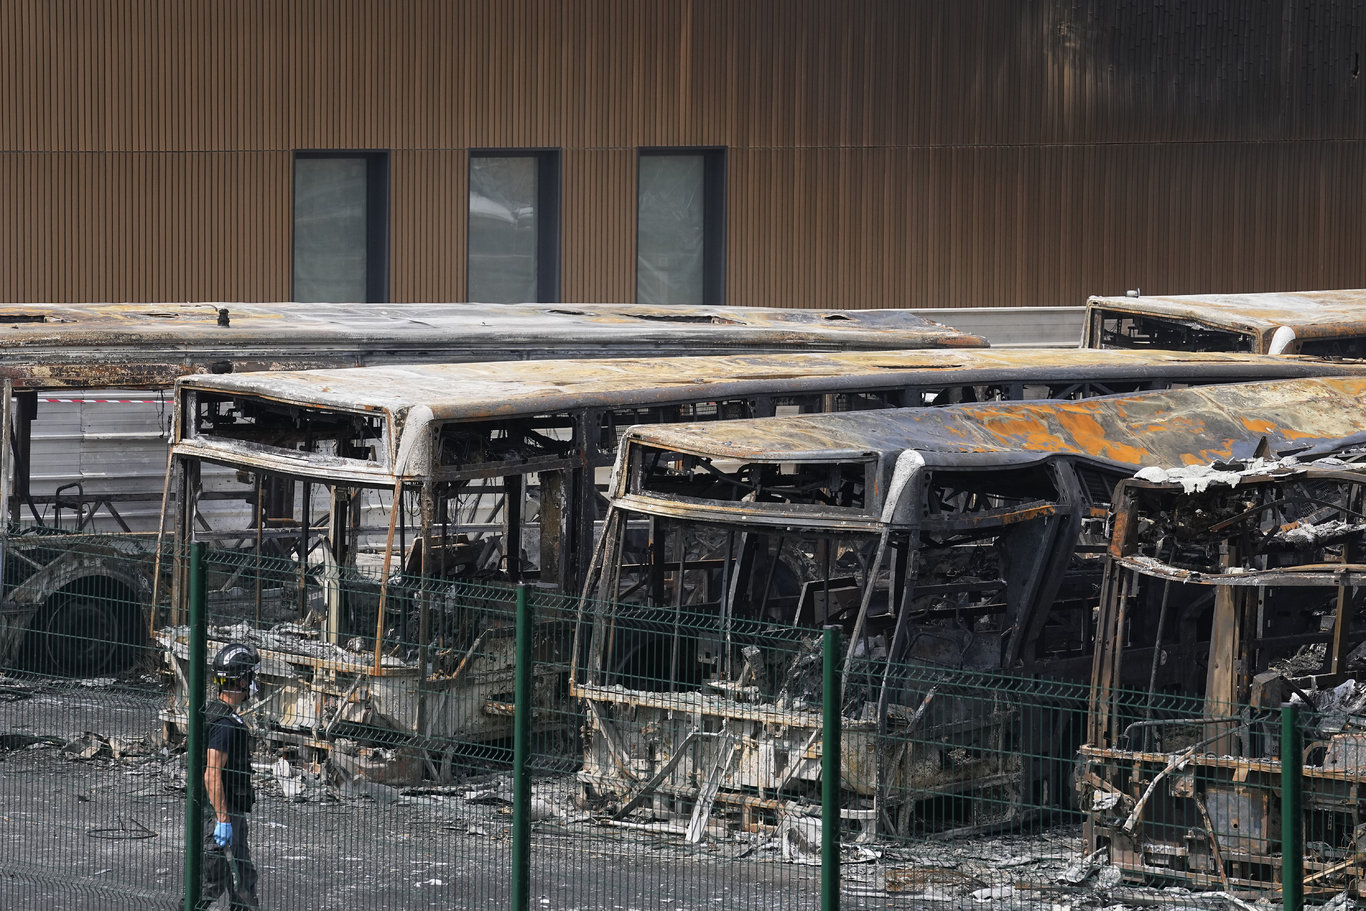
222	834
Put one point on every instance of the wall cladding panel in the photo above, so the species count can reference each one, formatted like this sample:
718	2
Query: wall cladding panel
1030	226
254	74
880	152
139	226
598	202
428	200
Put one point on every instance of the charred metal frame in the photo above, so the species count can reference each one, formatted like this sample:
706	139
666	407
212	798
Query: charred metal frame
496	422
1120	329
970	537
437	435
1319	323
1256	573
918	576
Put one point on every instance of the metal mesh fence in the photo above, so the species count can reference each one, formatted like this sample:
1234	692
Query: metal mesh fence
673	759
92	799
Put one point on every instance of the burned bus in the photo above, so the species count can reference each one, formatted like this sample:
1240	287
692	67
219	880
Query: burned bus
1228	592
103	453
968	538
1319	323
377	493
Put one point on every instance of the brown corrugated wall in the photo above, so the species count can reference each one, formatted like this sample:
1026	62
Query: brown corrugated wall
879	152
428	193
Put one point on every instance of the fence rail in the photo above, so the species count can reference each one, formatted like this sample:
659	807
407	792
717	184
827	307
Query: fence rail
527	750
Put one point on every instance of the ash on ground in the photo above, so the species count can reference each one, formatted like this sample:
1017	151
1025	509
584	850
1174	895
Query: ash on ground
94	817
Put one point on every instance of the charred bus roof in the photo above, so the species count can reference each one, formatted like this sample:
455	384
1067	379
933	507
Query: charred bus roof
1308	322
1178	427
410	399
129	345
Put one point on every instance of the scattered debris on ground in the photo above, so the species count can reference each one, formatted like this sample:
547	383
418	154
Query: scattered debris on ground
1039	870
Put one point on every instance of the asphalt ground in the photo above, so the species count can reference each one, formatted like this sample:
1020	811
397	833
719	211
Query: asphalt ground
98	822
92	816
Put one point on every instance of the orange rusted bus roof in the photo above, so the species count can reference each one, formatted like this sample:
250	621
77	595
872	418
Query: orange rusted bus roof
1179	427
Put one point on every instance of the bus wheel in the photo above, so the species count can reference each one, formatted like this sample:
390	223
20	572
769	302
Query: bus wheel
81	634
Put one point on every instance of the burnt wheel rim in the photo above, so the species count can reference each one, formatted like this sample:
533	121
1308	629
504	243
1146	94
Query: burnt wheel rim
83	636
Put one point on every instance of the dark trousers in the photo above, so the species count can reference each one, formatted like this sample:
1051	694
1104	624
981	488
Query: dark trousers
229	869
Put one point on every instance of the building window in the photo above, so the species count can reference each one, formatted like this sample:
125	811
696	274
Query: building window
680	227
514	224
341	242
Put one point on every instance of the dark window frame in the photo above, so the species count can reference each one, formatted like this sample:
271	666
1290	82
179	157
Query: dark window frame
548	228
714	216
376	222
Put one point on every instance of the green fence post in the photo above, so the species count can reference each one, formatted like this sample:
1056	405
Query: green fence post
521	747
194	728
1292	819
831	702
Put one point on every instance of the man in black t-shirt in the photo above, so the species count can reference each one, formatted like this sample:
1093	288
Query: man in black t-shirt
227	781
